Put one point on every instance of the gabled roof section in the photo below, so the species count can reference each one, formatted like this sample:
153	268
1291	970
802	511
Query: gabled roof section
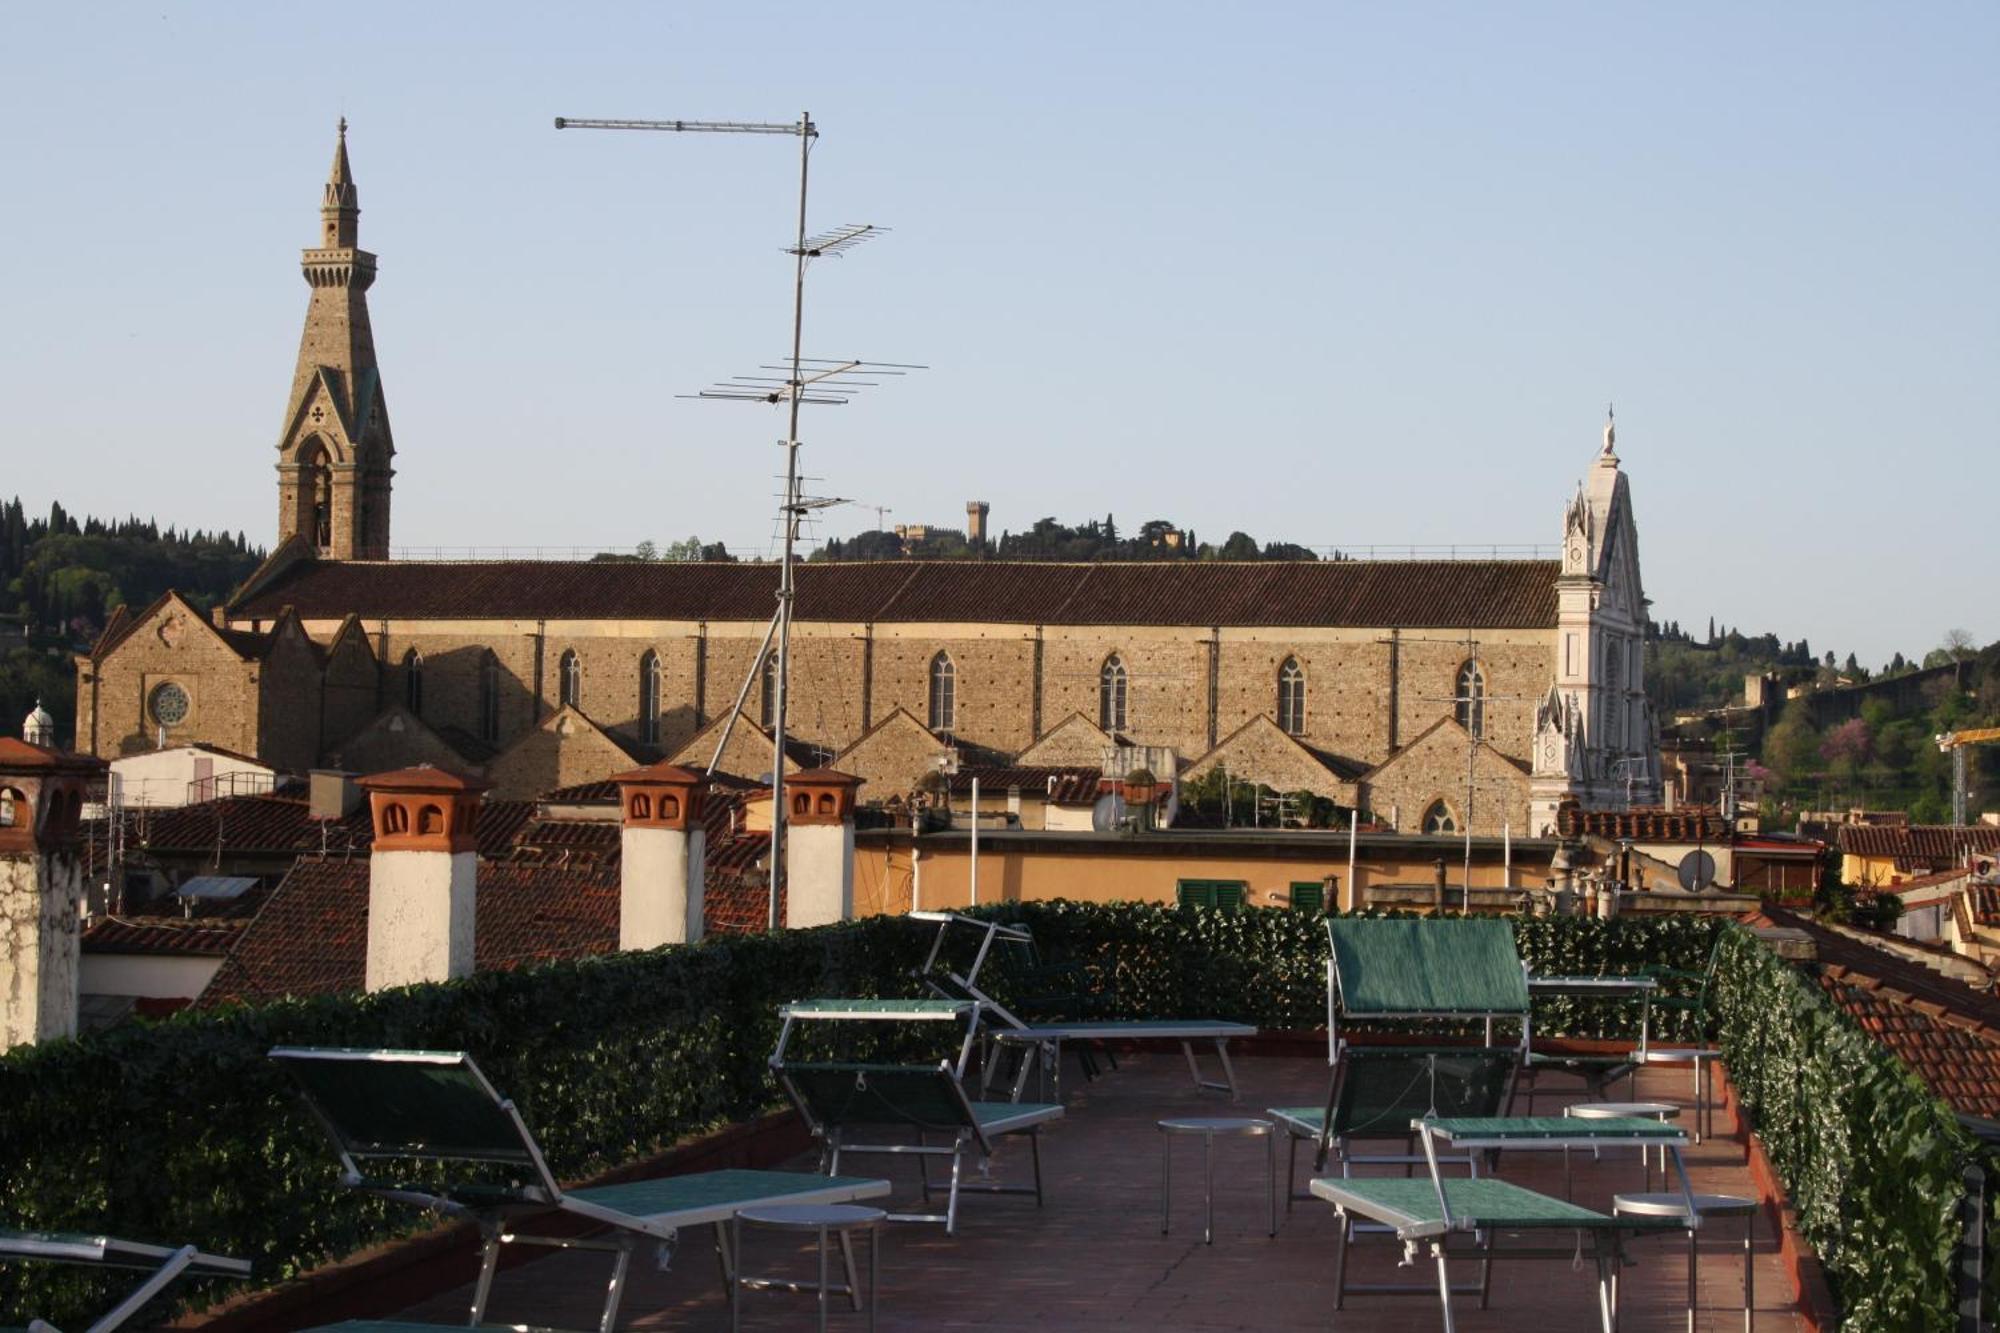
1440	594
244	644
1263	729
1073	741
748	753
899	719
1458	736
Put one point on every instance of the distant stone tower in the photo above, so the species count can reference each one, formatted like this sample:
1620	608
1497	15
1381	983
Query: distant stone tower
335	450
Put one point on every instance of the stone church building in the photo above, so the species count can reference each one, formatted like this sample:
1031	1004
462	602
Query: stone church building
1432	693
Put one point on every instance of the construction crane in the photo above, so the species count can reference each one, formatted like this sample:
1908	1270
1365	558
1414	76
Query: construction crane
1954	743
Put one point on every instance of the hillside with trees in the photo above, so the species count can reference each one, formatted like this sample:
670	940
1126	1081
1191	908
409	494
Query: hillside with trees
61	577
1048	539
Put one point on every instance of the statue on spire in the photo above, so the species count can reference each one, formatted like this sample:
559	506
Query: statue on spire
1610	430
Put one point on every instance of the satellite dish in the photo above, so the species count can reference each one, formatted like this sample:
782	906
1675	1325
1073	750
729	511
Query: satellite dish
1697	871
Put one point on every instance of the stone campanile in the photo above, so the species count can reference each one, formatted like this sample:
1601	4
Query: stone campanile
335	450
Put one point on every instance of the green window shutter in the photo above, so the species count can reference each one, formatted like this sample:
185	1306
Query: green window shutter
1309	895
1226	895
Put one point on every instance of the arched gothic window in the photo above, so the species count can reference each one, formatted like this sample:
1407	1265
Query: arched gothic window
649	698
1470	699
413	682
570	677
767	703
1440	819
489	697
1111	684
317	486
1292	698
944	693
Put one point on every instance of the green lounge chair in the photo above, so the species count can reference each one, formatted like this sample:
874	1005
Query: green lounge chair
163	1265
1435	1213
838	1099
1377	1091
1463	968
436	1107
1043	1037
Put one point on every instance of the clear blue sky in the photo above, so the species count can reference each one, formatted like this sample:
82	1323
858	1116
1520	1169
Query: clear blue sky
1336	274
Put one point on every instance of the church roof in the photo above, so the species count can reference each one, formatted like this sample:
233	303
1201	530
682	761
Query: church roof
1486	594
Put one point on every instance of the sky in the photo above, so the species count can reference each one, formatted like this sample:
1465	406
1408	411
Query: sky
1347	275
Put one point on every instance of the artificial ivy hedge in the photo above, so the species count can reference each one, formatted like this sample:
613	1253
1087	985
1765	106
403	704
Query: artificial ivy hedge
1870	1159
181	1130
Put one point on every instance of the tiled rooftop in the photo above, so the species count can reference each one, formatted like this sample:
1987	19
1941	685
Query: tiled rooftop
284	823
1095	1258
1431	593
1935	846
312	936
1062	785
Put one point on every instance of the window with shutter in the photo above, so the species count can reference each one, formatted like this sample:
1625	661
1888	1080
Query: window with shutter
1309	895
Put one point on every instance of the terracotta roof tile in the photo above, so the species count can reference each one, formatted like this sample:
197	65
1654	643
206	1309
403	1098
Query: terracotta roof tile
1062	785
312	936
1930	846
284	823
1515	594
207	937
1956	1055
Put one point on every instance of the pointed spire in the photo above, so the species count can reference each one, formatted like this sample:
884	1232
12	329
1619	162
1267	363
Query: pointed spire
341	205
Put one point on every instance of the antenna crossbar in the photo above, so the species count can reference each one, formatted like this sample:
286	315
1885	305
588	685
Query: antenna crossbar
806	127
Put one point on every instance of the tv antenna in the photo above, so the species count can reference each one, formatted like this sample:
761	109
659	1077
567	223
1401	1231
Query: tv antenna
804	380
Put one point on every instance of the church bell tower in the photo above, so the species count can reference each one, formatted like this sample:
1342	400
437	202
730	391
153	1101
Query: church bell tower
335	449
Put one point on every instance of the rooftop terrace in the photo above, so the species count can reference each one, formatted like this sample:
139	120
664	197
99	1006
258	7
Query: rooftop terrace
1095	1258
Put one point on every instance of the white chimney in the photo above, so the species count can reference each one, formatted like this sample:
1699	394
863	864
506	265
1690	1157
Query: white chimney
819	847
422	876
662	867
41	890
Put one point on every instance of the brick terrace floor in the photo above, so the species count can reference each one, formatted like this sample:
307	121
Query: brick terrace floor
1095	1258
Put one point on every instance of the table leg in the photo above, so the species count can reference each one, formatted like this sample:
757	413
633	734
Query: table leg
822	1280
1693	1238
1208	1189
1271	1165
735	1274
874	1273
1697	1062
1166	1180
1749	1270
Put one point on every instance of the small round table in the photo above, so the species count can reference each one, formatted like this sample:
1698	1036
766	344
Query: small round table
1674	1204
1660	1111
1704	1080
837	1219
1209	1127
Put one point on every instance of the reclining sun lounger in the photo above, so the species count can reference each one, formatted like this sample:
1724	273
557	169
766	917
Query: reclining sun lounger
1463	968
1378	1090
164	1265
1045	1037
437	1107
838	1099
1431	1212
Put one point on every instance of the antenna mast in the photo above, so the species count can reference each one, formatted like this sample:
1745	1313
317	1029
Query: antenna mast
832	379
